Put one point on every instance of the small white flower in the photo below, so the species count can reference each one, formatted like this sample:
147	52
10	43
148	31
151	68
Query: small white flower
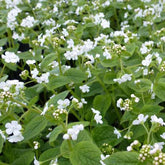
62	104
10	57
156	147
163	135
36	162
73	132
116	132
103	158
84	88
97	117
13	128
155	119
28	22
15	138
141	119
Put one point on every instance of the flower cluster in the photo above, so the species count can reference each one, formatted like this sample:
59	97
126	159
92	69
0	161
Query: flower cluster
97	117
72	133
13	129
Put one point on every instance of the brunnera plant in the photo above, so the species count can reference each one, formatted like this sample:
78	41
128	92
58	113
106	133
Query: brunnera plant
82	82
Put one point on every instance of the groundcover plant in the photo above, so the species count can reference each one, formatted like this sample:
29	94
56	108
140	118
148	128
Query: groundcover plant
82	82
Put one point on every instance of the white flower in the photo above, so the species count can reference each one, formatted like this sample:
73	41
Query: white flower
36	162
13	128
155	119
141	119
116	132
107	54
156	147
84	88
163	135
10	57
62	104
136	99
105	23
30	62
34	73
124	78
15	138
73	132
28	22
103	158
43	78
97	117
147	60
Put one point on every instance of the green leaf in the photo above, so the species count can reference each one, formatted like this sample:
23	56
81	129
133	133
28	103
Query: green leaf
85	123
85	153
34	127
128	115
83	136
25	55
4	78
108	78
3	41
55	98
159	88
102	103
65	150
1	143
105	134
150	109
75	75
49	154
130	48
110	62
24	159
94	89
47	60
122	158
142	86
54	134
57	81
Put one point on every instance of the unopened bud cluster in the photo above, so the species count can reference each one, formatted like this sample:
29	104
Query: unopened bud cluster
162	67
24	74
144	152
36	145
118	48
59	113
107	149
5	95
159	159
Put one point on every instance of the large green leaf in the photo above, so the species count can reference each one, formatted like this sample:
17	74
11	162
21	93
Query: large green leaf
102	103
54	134
75	75
57	81
123	158
24	159
159	88
49	155
55	98
34	127
142	86
105	134
85	153
47	60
